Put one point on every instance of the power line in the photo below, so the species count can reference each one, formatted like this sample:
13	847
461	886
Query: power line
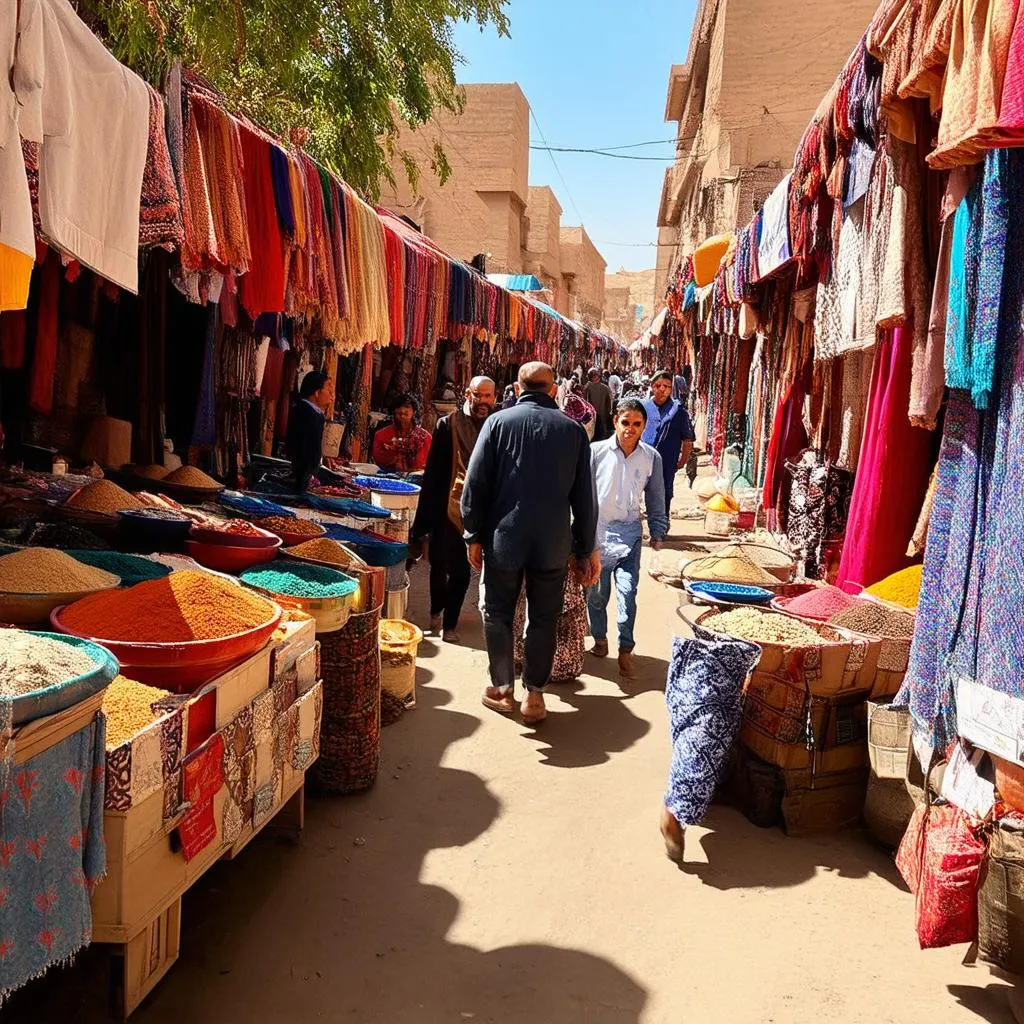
558	170
604	152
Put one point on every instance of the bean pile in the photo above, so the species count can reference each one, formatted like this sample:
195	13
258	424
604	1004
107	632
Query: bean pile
297	580
323	549
901	587
131	568
821	603
29	662
728	569
764	628
189	476
47	571
289	524
128	707
65	536
103	496
876	620
179	608
154	471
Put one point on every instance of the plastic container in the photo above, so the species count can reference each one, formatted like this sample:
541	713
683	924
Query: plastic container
734	593
227	558
399	641
181	667
329	613
48	701
396	603
390	494
719	524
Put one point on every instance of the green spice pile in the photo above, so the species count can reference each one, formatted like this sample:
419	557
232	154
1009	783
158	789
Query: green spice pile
29	662
297	580
131	568
876	620
46	571
764	628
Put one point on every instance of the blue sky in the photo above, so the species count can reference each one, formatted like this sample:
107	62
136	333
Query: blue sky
595	74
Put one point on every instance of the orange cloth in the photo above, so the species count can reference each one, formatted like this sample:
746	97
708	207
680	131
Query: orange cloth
708	257
15	275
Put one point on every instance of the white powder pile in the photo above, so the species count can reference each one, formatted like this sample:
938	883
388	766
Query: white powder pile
30	663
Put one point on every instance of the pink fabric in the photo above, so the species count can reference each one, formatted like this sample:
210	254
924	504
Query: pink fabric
892	475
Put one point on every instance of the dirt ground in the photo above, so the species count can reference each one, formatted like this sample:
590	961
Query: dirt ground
500	874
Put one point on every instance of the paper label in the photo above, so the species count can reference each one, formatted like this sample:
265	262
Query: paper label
964	787
991	720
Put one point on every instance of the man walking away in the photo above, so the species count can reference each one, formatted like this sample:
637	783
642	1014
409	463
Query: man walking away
438	519
530	472
600	397
681	385
669	430
625	468
615	387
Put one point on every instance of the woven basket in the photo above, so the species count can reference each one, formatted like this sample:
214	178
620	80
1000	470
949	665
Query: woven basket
350	731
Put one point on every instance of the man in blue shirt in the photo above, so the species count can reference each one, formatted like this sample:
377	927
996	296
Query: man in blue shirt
669	430
625	469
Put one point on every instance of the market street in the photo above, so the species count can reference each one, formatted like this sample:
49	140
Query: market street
499	874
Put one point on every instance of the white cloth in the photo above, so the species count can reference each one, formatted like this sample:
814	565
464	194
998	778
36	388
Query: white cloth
773	248
16	230
90	115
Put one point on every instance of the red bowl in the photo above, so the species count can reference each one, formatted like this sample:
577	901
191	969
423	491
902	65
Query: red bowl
181	667
210	535
228	558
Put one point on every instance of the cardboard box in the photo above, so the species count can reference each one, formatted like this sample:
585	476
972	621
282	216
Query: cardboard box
299	639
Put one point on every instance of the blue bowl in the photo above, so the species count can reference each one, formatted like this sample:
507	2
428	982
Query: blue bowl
29	706
347	507
385	485
736	593
371	550
142	529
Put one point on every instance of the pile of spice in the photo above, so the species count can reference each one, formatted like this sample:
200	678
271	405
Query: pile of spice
237	528
29	662
903	587
189	476
728	569
323	549
47	571
131	568
291	524
103	496
821	603
876	620
766	556
179	608
764	628
298	580
154	471
163	514
65	536
128	707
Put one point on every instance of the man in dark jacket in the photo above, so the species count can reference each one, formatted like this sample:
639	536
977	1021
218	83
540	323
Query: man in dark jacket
599	395
529	473
439	517
306	420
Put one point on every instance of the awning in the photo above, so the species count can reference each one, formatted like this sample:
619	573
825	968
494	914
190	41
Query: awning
658	322
516	282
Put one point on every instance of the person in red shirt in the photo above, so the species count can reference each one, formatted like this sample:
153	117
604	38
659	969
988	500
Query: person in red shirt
403	445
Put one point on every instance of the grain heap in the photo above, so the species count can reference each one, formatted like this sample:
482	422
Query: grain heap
189	476
766	556
876	620
154	471
128	706
179	608
47	571
901	587
323	549
728	569
821	603
29	662
104	497
291	524
132	569
764	628
297	580
65	536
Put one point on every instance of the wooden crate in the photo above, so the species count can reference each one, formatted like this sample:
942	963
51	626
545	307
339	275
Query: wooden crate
146	958
35	737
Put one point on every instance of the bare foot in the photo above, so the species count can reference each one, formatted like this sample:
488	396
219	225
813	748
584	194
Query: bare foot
533	708
672	833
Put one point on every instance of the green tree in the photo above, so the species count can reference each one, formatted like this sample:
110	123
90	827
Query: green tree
338	75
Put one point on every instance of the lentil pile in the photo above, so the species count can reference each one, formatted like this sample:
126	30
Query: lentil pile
323	549
189	476
128	706
65	536
876	620
766	556
821	603
764	628
47	571
103	496
728	569
297	580
901	587
29	662
238	528
154	471
131	568
179	608
289	524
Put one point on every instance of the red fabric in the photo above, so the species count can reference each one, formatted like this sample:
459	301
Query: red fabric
44	358
270	386
788	438
893	471
262	288
394	260
401	455
13	327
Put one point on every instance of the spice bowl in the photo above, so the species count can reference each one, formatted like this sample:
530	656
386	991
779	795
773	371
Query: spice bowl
291	538
211	535
154	529
228	557
35	609
329	614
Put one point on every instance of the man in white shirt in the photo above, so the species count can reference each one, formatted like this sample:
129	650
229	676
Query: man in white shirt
625	470
615	386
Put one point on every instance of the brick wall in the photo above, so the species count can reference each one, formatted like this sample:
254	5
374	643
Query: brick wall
586	266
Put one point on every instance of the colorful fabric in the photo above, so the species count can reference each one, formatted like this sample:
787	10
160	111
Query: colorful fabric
160	223
52	853
703	693
262	288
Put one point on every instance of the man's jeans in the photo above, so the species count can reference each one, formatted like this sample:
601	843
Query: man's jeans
626	574
545	591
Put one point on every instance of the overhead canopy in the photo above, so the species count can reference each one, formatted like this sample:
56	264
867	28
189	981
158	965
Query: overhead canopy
659	322
516	282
